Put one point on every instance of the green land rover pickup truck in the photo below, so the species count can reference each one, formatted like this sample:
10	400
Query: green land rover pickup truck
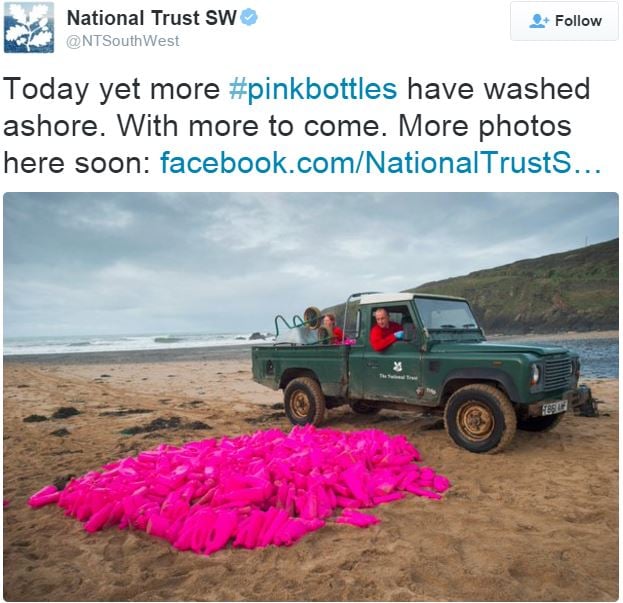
443	365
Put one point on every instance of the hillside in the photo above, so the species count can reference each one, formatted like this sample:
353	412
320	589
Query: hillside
575	290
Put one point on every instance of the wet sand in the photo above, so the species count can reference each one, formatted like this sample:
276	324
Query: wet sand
536	523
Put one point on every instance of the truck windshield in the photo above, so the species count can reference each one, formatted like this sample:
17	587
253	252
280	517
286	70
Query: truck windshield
442	314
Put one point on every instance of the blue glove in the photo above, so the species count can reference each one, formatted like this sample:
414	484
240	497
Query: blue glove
399	334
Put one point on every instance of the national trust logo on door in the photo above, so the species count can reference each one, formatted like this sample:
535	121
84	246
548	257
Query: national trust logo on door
28	27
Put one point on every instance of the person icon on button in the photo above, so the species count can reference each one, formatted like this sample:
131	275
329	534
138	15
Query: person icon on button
537	22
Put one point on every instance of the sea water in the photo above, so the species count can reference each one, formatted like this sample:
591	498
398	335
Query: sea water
122	343
599	356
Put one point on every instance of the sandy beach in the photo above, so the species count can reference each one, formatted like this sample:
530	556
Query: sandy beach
536	523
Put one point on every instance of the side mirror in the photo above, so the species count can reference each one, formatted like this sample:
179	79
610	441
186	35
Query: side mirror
425	343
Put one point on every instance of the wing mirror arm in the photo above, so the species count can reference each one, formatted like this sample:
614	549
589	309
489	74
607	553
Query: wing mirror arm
424	346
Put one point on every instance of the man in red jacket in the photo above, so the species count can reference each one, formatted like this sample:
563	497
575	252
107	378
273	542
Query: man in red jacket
384	333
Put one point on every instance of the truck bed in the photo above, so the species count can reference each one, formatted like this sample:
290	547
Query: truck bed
273	365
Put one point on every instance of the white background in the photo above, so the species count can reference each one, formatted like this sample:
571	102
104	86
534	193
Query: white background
451	41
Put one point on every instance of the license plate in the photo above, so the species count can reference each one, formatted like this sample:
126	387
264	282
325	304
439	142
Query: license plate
553	408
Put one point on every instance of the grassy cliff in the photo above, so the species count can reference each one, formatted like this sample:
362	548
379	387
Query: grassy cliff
574	290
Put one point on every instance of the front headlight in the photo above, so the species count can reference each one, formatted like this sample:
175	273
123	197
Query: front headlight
536	374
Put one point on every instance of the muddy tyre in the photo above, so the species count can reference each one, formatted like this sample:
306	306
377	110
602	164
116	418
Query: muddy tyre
540	423
480	418
304	402
361	408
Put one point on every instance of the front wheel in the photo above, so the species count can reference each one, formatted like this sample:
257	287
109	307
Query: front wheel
480	418
304	402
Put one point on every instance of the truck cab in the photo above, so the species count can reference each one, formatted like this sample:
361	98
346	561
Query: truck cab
441	362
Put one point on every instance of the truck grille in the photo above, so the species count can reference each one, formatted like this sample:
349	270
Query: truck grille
557	372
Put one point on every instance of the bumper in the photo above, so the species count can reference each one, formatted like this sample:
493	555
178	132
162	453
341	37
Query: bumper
582	402
579	400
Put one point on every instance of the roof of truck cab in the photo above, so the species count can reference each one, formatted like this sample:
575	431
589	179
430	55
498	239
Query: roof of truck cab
387	298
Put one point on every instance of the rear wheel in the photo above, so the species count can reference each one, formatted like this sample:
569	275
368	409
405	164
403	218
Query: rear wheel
480	418
304	402
540	423
361	408
312	317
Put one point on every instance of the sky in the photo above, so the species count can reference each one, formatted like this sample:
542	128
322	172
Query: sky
131	263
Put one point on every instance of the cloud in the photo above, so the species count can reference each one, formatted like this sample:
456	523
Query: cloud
252	222
359	248
101	216
88	263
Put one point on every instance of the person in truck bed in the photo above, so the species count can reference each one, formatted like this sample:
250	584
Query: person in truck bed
329	322
384	333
